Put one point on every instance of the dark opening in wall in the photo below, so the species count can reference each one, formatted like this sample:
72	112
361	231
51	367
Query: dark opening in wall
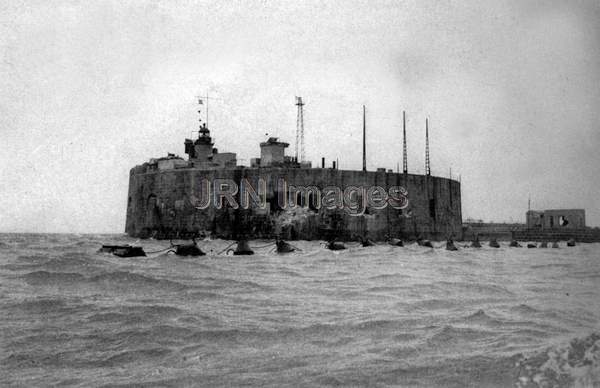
274	205
313	202
562	221
432	208
299	199
309	199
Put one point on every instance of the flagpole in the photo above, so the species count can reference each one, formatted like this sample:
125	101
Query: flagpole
203	100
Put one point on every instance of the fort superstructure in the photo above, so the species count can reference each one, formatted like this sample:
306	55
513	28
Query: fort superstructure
168	197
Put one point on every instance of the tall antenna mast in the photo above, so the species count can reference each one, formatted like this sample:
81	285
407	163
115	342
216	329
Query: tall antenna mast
364	139
427	165
300	130
404	153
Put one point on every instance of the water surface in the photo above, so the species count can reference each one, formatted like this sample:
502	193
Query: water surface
378	316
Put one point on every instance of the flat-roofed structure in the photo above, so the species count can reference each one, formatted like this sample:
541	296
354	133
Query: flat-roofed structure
556	219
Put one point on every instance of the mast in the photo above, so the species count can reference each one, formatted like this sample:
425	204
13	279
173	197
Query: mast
427	165
300	130
404	152
199	114
364	168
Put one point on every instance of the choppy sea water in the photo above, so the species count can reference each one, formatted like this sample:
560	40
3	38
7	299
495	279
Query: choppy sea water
378	316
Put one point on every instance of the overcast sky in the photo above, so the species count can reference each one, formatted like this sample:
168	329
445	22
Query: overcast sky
90	89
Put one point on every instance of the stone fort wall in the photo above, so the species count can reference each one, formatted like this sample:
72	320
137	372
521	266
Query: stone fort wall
162	204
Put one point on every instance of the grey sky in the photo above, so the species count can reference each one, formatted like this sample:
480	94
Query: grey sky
90	89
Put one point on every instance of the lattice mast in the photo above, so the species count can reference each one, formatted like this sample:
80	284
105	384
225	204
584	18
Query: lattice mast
300	130
404	152
427	165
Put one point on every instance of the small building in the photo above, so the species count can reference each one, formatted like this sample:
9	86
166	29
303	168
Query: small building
224	159
272	152
170	162
556	219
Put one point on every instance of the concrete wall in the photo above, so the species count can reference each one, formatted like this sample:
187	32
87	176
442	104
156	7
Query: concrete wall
172	163
225	159
164	204
486	231
563	234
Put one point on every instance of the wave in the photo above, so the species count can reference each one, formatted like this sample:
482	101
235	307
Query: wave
534	329
117	279
243	285
575	364
204	295
69	259
43	305
156	334
329	381
133	279
551	265
45	277
212	283
391	276
234	335
480	317
319	330
524	309
116	317
138	356
435	304
451	334
290	273
384	288
532	334
63	262
474	287
316	331
136	313
593	274
33	258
